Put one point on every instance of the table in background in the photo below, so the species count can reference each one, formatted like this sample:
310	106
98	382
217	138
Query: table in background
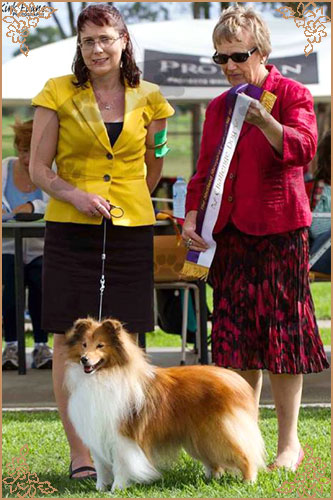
18	231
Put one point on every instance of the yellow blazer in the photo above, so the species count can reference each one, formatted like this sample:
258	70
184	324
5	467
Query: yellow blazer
85	158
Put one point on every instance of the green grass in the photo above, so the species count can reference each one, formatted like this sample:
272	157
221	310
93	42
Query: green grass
48	458
325	334
158	338
321	293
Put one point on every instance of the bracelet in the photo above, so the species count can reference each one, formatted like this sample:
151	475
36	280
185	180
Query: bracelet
150	146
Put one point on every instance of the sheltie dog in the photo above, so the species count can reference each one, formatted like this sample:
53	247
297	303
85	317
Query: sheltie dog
132	415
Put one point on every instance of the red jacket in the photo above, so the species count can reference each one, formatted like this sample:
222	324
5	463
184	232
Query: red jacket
264	193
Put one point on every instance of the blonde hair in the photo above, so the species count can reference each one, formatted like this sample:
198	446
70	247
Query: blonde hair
234	19
22	133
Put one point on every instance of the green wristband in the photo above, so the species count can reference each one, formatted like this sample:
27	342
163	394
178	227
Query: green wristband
160	140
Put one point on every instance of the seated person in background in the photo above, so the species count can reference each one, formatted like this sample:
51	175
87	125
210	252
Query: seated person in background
320	201
20	195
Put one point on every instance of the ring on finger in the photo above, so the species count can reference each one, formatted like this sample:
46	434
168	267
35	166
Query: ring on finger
188	243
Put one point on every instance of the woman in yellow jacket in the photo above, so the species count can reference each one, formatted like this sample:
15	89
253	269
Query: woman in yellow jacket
106	130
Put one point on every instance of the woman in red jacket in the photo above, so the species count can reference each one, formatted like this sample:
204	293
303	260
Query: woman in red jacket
263	311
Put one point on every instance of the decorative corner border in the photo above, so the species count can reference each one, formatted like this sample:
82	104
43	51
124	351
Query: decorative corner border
23	16
309	479
21	481
312	21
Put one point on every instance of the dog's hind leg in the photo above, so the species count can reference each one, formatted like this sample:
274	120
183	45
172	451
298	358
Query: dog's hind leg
213	472
130	464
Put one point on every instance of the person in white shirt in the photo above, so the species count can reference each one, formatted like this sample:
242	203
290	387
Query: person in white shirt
20	195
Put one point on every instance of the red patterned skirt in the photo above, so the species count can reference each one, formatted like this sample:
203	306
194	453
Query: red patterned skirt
263	311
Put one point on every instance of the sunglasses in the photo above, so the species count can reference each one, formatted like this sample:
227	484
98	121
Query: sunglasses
237	57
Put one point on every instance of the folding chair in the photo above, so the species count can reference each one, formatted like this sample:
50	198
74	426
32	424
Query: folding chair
186	286
315	275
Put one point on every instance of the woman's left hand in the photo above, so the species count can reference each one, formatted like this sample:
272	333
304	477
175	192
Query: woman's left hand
257	114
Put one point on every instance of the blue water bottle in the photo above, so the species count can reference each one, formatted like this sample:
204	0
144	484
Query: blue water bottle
179	190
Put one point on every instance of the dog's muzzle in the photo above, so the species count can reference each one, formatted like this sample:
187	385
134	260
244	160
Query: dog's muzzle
87	367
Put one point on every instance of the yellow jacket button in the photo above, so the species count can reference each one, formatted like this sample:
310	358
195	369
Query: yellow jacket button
106	178
109	156
230	198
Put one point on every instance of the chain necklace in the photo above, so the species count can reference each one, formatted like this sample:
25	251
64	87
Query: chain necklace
105	105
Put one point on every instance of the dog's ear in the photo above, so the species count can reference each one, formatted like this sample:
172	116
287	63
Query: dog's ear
115	330
79	328
112	326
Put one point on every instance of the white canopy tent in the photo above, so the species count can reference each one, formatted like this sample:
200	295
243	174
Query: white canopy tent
177	55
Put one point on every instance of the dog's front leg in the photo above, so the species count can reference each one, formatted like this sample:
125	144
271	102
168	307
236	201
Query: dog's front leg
130	464
121	474
104	473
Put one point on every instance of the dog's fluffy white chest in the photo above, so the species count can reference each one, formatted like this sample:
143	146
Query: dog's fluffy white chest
98	404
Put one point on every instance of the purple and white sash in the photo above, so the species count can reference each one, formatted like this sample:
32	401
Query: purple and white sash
197	264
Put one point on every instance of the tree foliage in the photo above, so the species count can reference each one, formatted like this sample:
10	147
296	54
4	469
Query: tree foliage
201	10
144	11
40	37
293	6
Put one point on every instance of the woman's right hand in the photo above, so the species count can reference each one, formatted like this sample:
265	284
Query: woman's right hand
91	204
190	236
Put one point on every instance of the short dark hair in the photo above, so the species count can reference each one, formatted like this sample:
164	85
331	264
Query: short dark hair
22	133
323	170
102	14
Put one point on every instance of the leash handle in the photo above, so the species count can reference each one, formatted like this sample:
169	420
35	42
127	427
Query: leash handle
102	280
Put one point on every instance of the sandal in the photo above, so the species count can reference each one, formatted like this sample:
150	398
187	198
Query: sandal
85	468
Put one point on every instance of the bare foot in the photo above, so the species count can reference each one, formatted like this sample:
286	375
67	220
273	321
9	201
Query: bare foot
289	458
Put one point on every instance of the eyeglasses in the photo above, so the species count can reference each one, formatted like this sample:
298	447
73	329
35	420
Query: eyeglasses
103	41
237	57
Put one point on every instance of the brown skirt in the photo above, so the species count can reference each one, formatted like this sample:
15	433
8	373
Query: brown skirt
72	272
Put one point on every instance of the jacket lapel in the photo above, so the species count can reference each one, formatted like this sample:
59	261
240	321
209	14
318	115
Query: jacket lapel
86	104
131	103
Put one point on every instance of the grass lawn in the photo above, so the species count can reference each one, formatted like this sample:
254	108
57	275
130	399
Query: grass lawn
321	293
48	458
